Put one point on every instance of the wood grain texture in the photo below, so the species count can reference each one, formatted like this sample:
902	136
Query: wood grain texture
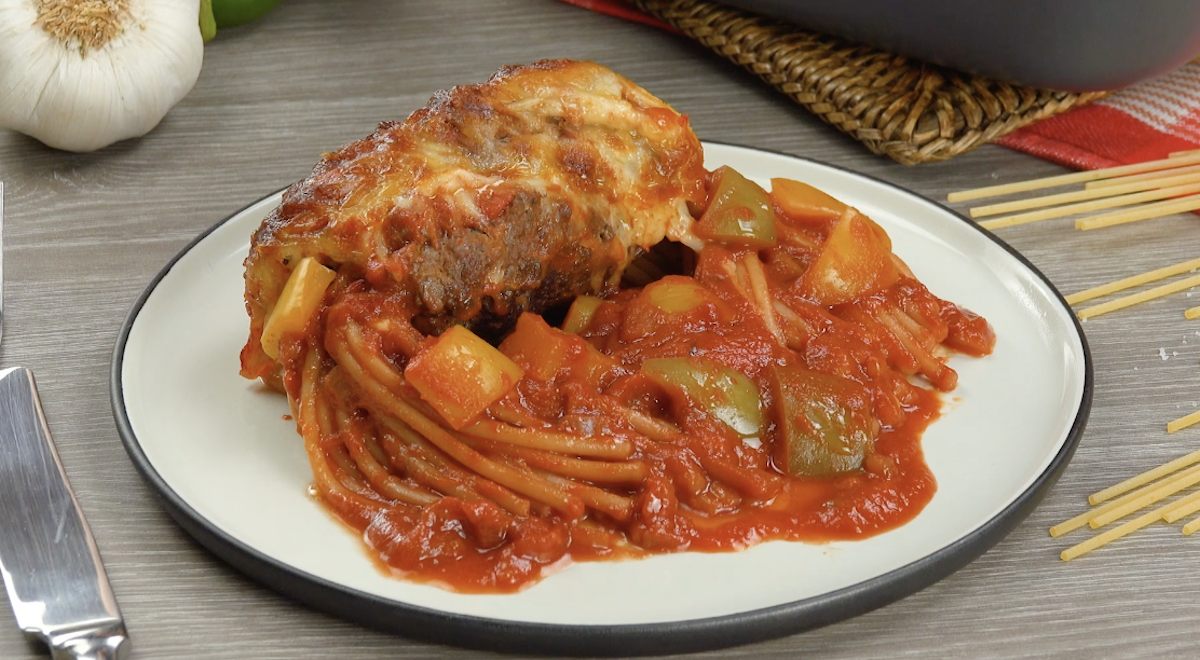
86	233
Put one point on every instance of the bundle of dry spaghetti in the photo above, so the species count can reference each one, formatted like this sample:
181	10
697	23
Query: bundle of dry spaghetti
1127	193
1136	494
1123	194
1145	295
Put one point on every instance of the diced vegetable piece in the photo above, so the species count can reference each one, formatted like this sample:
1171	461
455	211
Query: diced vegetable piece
579	317
676	295
460	375
855	261
803	203
725	393
739	213
675	301
298	301
596	368
880	234
541	350
824	423
544	352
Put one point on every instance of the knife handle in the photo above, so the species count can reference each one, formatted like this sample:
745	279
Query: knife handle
49	562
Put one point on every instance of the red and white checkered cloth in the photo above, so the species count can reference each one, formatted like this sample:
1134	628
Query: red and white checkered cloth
1146	121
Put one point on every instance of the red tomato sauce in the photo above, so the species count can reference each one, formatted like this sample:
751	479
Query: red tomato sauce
753	400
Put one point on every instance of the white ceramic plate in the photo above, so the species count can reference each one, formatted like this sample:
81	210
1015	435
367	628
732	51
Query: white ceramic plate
231	469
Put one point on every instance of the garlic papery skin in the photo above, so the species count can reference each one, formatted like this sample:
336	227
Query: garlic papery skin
80	75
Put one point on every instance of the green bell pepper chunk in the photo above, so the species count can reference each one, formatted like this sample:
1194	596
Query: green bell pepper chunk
739	213
824	426
676	295
726	394
579	316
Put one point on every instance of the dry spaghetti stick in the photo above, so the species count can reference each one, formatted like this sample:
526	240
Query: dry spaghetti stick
1083	518
1144	478
1082	195
1094	205
1191	527
1177	154
1167	489
1079	520
1114	533
1183	422
1148	176
1074	177
1147	212
1134	280
1192	313
1184	506
1140	297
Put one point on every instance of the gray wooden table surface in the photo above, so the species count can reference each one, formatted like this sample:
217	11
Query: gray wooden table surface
86	233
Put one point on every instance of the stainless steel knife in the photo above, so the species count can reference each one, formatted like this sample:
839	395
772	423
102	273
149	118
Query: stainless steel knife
48	558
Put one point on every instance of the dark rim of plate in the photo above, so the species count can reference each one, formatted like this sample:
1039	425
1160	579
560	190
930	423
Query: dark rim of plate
601	640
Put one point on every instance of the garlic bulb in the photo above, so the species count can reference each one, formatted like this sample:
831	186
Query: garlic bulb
80	75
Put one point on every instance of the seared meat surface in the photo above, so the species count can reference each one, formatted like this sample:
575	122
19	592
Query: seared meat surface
515	194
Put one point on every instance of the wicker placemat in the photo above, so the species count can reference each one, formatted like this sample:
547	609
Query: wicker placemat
910	111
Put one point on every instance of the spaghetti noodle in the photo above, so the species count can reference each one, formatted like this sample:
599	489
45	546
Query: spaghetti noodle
756	380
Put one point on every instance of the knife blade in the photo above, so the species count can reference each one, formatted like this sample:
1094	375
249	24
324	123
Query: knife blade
49	561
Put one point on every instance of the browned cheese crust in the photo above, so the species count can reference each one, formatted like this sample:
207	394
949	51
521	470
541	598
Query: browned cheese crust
515	194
